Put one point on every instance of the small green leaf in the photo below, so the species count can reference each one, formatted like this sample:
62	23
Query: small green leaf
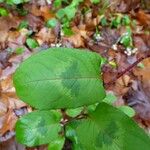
112	64
104	21
70	12
3	12
51	23
72	136
16	2
126	20
110	98
141	65
116	22
60	78
75	3
74	112
60	13
39	127
23	24
127	110
126	40
1	1
107	128
57	144
20	50
95	1
57	3
67	31
91	108
32	43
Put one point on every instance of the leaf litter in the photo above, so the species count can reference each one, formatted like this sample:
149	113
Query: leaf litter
86	31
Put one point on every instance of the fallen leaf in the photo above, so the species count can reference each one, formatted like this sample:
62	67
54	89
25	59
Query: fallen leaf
77	39
45	35
143	18
46	13
124	5
139	100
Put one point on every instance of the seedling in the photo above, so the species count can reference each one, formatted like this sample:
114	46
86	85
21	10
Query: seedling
126	39
32	43
51	23
65	87
20	50
23	24
3	12
104	21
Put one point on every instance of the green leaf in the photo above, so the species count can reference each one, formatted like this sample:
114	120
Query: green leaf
109	129
1	1
32	43
60	78
110	98
3	12
20	50
74	112
116	22
57	3
104	21
75	3
70	12
141	65
39	127
23	24
16	2
95	1
126	20
60	13
71	132
57	144
72	136
51	23
91	108
67	31
127	110
126	39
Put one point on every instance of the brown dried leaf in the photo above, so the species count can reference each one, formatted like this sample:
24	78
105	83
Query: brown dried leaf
8	122
45	35
46	13
142	42
143	18
77	39
124	5
143	73
139	100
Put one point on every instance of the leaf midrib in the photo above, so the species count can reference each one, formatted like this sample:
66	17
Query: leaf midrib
75	78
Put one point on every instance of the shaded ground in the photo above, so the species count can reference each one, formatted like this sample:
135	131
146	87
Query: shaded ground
125	74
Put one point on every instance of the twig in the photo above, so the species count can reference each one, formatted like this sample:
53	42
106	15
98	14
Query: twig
126	70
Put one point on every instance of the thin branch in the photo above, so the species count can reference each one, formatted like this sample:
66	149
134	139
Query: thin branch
126	70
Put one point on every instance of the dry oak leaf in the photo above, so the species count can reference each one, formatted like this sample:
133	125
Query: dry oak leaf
77	39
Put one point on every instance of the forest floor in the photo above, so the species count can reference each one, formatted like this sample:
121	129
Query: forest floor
119	30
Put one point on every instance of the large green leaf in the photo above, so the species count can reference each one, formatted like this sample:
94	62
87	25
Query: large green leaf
39	127
109	129
60	78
